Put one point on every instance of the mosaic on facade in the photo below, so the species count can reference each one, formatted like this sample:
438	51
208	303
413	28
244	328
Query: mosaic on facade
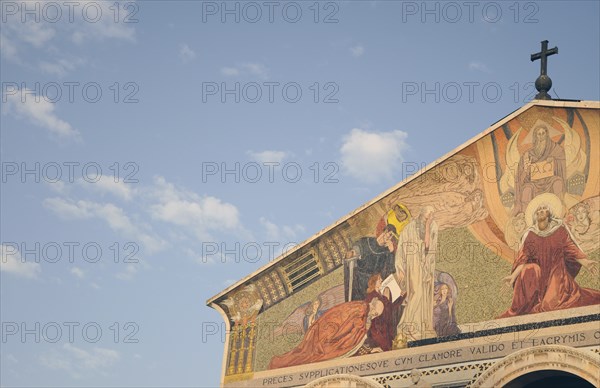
507	227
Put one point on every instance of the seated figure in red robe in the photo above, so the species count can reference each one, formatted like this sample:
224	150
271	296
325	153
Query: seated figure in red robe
543	275
339	332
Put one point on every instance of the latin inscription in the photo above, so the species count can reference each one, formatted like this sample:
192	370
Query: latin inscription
442	357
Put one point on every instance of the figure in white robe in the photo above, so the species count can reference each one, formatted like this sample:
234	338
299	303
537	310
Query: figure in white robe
415	267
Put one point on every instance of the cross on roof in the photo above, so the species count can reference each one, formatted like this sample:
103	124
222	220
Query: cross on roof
543	83
543	55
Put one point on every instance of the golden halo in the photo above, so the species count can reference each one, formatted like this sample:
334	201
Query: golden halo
393	219
553	202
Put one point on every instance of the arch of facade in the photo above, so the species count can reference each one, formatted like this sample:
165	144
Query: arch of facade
582	363
343	381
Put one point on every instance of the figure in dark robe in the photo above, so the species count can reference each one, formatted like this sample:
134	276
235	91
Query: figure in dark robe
339	332
542	169
383	327
369	256
543	275
444	317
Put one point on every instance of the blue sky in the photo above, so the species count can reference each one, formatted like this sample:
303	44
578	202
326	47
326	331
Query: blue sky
126	117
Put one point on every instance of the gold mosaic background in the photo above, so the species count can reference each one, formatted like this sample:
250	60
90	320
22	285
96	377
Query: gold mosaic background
477	273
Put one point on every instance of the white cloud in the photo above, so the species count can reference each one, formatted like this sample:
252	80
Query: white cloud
230	71
285	233
23	42
114	216
105	27
77	272
68	209
372	156
128	273
79	362
38	111
357	51
7	49
119	222
10	357
268	156
271	228
58	186
247	69
286	236
96	359
190	215
12	262
186	53
36	34
60	67
479	66
256	69
187	209
203	259
211	253
107	184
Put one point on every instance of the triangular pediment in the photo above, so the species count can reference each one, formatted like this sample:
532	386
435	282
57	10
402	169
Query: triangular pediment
444	242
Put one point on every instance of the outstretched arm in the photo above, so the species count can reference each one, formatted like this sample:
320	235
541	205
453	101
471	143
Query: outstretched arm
509	281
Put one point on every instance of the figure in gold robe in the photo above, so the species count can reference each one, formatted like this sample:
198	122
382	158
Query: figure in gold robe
542	169
415	268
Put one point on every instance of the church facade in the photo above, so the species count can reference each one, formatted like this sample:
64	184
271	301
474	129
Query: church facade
482	270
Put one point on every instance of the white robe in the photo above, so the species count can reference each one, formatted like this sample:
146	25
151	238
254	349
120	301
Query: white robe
418	267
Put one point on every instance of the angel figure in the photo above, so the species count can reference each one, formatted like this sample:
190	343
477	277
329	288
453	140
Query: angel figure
583	221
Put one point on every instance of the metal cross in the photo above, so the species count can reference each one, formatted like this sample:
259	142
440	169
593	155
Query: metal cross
543	55
543	83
